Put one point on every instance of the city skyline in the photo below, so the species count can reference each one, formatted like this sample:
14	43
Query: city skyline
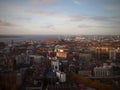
84	17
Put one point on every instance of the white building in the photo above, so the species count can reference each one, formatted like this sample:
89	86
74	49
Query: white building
102	71
60	48
55	63
61	76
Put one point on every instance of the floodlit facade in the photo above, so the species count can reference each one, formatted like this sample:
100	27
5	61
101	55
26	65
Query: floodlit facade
102	72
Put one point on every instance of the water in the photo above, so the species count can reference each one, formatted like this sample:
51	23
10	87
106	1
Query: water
27	37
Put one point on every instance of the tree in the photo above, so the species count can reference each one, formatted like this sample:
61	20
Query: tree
88	82
2	45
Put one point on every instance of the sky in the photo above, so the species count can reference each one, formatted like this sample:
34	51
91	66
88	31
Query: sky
66	17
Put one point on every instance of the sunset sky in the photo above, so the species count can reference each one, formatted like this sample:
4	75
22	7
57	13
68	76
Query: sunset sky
84	17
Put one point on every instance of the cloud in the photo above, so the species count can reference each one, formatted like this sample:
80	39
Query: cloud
110	20
22	18
6	8
42	12
5	23
11	8
95	22
79	18
84	26
112	7
76	17
98	26
14	30
76	2
49	1
45	2
49	26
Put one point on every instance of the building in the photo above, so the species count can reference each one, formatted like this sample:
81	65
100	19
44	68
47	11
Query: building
61	76
112	54
102	72
20	59
62	51
36	58
52	40
85	56
55	64
62	54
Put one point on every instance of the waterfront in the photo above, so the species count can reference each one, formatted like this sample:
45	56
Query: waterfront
19	38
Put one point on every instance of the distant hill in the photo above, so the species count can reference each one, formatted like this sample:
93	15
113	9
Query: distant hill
10	36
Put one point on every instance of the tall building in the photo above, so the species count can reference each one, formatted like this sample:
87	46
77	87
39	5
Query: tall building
55	64
112	54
